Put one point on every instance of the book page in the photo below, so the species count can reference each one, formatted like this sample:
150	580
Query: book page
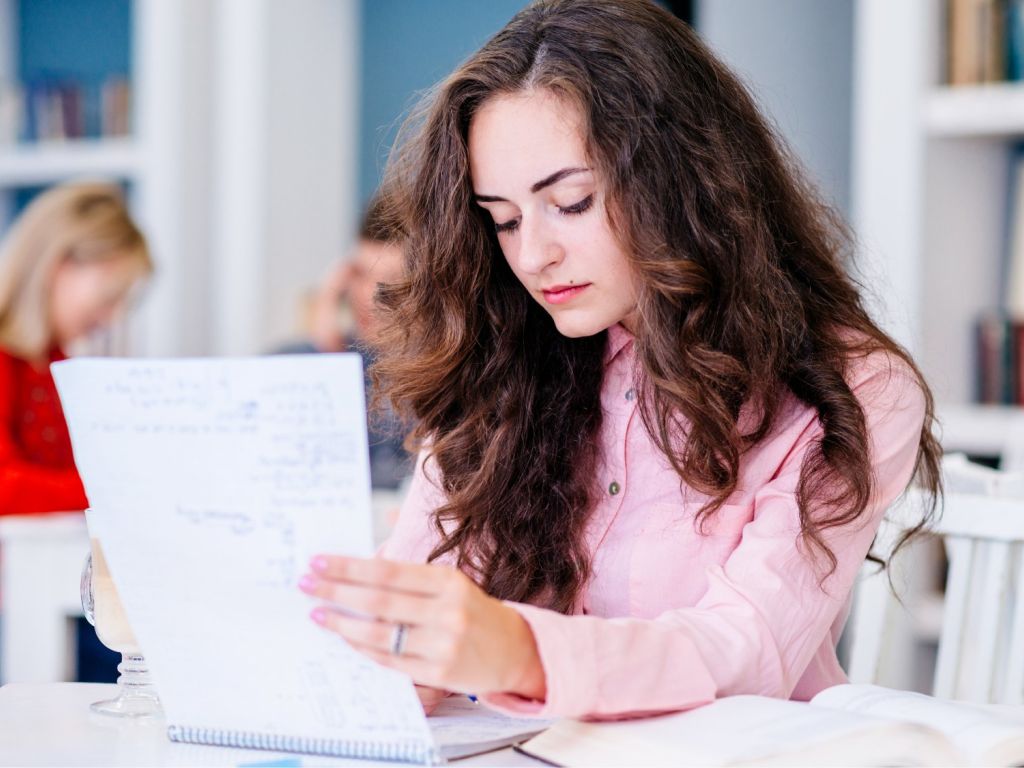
741	730
212	483
461	727
982	733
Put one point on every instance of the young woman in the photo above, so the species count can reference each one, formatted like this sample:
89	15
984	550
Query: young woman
66	268
658	428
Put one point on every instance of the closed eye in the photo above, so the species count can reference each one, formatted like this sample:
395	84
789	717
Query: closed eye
570	210
581	207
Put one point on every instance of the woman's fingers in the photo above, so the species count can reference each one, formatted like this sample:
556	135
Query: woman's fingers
430	698
384	604
374	572
422	642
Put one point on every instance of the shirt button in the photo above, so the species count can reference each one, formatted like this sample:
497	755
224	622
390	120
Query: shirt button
630	394
614	488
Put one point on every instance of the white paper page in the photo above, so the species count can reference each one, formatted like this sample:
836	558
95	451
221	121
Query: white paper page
730	730
973	729
212	482
460	725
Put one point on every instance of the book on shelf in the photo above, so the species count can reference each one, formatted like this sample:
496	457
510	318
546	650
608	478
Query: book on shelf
1014	247
998	340
1015	40
55	109
999	335
984	39
12	112
842	725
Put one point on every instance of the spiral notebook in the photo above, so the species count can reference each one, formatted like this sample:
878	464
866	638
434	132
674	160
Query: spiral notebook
211	483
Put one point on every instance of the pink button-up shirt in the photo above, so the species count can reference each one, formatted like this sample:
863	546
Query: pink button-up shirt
671	617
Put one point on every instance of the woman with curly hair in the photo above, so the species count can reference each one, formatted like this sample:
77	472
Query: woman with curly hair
657	427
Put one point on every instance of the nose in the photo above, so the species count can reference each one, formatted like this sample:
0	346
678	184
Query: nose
539	248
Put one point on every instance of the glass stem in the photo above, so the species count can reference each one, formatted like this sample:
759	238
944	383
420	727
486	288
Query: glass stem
134	679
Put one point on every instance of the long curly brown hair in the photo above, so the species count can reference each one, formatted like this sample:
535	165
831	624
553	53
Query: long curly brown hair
744	297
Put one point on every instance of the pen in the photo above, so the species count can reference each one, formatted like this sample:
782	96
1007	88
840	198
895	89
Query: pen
472	698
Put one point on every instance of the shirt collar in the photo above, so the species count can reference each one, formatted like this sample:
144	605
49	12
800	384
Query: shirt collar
618	338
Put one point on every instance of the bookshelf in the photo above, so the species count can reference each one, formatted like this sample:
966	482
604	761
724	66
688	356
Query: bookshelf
930	182
931	168
31	44
239	166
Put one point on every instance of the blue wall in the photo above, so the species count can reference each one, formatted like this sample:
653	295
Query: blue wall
407	46
87	39
84	42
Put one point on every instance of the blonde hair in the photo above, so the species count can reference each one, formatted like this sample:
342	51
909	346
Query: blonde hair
79	222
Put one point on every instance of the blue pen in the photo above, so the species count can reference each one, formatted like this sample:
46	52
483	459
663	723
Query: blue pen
472	698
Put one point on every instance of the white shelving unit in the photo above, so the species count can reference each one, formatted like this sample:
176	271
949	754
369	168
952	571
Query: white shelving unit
51	162
930	181
995	110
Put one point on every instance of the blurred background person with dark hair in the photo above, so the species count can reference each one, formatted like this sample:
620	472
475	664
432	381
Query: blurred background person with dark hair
341	317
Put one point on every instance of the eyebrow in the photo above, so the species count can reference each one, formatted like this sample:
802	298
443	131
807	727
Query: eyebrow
547	181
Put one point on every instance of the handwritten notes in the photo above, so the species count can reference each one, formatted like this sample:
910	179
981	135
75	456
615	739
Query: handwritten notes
211	484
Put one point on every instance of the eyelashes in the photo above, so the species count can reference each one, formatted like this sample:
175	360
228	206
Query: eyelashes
580	207
570	210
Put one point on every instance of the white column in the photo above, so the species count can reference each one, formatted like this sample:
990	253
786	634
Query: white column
241	141
286	133
172	51
889	83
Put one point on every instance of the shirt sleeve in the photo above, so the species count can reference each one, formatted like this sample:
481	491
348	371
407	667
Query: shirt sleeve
26	487
766	611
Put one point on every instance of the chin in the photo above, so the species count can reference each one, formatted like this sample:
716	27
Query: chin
579	327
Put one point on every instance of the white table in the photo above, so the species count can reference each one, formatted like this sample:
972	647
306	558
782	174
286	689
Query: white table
50	724
42	558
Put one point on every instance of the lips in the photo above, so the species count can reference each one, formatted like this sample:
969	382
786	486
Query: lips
559	294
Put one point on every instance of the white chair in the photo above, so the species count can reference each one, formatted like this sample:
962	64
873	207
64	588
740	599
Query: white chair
981	642
41	558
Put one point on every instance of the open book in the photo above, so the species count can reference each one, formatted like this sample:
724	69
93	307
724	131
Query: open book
212	483
842	725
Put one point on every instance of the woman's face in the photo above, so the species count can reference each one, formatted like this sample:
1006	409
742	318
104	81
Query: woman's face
87	296
531	173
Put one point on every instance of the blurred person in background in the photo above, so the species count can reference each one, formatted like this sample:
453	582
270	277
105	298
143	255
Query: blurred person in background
342	318
67	268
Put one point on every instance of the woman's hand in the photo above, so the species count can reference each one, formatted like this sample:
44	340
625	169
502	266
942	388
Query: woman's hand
325	330
456	637
430	697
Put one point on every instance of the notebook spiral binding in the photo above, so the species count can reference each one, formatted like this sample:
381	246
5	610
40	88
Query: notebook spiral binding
398	751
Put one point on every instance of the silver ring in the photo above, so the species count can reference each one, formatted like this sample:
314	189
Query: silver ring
398	635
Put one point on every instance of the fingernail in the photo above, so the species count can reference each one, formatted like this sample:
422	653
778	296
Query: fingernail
319	563
319	615
307	583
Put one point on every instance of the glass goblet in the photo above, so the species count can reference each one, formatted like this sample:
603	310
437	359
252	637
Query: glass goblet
136	696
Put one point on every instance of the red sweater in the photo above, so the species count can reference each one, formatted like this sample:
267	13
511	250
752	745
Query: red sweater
37	469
